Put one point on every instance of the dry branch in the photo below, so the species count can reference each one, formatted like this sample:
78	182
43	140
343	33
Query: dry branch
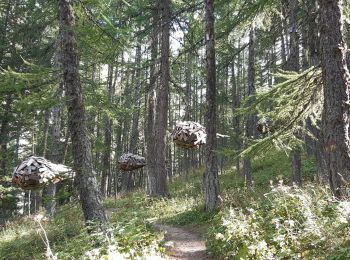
188	134
129	162
36	172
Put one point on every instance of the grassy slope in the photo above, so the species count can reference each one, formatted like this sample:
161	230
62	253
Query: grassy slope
133	213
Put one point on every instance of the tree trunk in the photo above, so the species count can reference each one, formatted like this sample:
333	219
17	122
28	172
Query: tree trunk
157	174
293	64
251	119
336	82
211	179
106	160
4	30
51	189
236	119
46	131
150	102
90	196
4	135
136	99
127	181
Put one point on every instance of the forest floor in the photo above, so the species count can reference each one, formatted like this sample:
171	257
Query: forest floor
183	243
172	228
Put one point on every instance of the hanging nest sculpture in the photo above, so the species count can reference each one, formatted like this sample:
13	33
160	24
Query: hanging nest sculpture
129	162
265	125
188	134
36	172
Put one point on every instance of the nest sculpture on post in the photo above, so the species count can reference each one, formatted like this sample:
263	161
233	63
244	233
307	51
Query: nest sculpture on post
129	162
36	172
265	125
188	134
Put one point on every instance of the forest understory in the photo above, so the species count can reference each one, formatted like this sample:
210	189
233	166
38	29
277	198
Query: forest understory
174	129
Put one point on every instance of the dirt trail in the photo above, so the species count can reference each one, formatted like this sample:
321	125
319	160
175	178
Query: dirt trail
182	243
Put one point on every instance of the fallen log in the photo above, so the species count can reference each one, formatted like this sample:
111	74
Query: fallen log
36	172
188	134
129	162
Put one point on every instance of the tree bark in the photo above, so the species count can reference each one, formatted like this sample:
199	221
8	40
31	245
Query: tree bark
236	119
50	191
90	196
336	82
106	159
293	64
46	131
157	175
251	119
211	179
4	134
136	99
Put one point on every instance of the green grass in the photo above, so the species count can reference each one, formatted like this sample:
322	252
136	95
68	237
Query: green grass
134	213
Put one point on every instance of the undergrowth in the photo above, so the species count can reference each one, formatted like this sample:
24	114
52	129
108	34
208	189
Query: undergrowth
252	223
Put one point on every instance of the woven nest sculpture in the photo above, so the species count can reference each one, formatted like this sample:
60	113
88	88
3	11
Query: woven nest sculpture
36	172
129	162
188	134
265	125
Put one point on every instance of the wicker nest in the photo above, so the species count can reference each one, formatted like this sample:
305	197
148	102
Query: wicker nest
36	172
188	134
265	125
129	162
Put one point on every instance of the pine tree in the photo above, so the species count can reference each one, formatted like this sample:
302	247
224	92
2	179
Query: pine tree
211	181
336	81
90	196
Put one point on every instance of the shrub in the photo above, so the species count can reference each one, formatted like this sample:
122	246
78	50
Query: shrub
289	223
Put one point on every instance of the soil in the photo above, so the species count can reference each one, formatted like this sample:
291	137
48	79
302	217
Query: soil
183	243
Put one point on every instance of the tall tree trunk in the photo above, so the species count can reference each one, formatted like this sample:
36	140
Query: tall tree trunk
90	196
211	179
55	155
4	30
236	119
336	82
136	99
127	181
46	131
150	102
250	121
157	175
106	160
293	64
4	135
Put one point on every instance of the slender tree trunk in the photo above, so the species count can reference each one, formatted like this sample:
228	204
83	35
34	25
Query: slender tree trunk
236	119
127	181
293	64
136	99
150	103
336	82
211	179
4	135
251	119
46	131
90	196
55	155
4	30
106	160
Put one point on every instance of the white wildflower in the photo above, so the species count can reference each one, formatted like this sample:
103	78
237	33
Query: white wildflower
219	236
262	245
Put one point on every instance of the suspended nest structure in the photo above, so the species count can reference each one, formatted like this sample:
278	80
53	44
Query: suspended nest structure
188	134
36	172
265	125
129	162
